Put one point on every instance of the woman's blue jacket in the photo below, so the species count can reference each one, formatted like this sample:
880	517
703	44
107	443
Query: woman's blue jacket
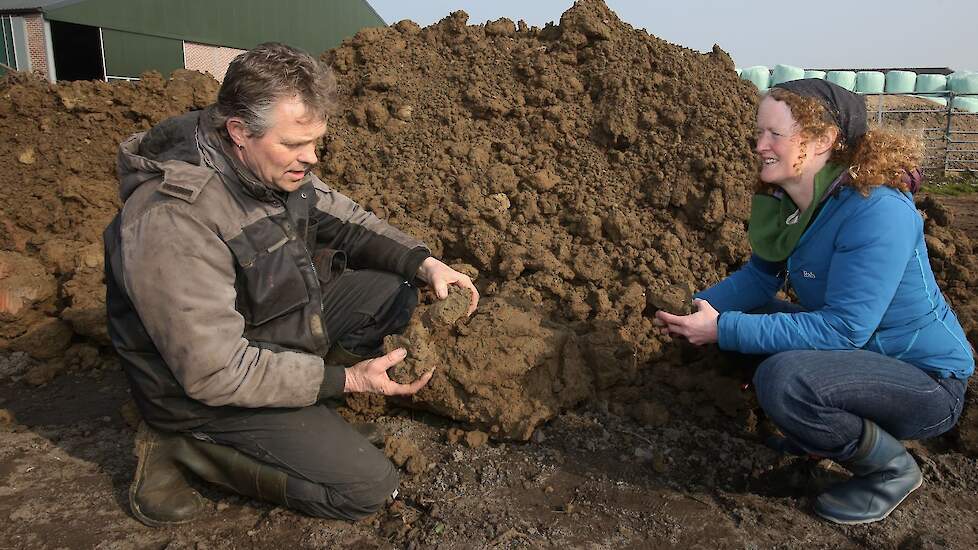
862	273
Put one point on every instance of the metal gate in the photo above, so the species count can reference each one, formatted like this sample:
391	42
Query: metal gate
949	133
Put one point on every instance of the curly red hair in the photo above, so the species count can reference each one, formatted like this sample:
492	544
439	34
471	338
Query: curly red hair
879	157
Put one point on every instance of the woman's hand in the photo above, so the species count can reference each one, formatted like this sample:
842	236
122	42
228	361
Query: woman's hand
698	328
370	376
439	276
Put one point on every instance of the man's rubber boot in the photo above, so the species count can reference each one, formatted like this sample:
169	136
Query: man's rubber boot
159	494
883	475
235	471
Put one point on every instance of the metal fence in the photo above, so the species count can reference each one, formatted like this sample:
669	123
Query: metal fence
949	133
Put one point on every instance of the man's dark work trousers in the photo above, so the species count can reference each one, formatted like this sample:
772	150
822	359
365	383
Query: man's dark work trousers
333	471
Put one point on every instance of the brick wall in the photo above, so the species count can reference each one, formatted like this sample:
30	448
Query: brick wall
208	59
36	44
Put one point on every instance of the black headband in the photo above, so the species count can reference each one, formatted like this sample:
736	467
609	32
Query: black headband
847	109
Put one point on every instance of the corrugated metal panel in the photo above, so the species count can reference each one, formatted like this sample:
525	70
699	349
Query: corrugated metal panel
128	54
313	25
34	5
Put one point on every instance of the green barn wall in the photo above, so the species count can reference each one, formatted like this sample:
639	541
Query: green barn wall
129	54
312	25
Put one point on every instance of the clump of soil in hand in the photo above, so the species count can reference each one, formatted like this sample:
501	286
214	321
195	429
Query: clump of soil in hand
504	368
673	299
436	321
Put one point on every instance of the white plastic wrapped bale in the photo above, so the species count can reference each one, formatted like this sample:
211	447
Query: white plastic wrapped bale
968	103
900	82
870	82
963	82
930	83
760	75
786	73
932	87
815	74
846	79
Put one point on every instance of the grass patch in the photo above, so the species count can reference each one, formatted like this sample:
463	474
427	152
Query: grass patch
953	185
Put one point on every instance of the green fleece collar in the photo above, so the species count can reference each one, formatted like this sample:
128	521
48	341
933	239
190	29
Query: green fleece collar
776	225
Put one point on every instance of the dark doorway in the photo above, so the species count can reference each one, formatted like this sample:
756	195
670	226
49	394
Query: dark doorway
77	51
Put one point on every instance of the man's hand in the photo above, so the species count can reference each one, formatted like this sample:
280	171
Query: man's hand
699	327
370	376
439	276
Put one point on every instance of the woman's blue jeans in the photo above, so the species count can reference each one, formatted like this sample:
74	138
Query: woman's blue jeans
819	398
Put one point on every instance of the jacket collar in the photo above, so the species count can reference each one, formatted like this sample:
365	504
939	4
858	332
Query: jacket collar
217	152
166	151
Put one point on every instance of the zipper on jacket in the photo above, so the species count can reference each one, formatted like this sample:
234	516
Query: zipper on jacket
322	312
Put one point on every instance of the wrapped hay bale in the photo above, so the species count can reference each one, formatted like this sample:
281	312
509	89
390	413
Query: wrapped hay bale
930	83
786	73
969	104
870	82
846	79
932	87
759	75
900	82
963	82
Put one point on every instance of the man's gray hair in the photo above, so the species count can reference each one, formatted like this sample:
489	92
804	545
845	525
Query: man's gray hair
258	78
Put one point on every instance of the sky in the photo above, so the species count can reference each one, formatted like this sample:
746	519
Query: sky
827	34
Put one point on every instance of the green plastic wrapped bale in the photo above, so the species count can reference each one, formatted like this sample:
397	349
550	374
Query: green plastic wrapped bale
930	83
969	104
963	82
815	74
786	73
759	75
870	82
900	82
846	79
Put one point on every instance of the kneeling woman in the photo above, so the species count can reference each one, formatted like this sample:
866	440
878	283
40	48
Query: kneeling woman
871	353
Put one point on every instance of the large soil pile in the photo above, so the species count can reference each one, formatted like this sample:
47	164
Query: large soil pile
586	173
57	177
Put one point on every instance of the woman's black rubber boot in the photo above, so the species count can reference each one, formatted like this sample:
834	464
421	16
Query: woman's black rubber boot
883	474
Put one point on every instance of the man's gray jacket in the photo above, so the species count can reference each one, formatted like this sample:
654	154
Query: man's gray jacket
213	294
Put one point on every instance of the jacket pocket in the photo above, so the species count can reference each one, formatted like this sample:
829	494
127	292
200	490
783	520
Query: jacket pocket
329	264
269	283
893	342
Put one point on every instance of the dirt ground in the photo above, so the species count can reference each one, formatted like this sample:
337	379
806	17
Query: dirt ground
587	479
586	174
